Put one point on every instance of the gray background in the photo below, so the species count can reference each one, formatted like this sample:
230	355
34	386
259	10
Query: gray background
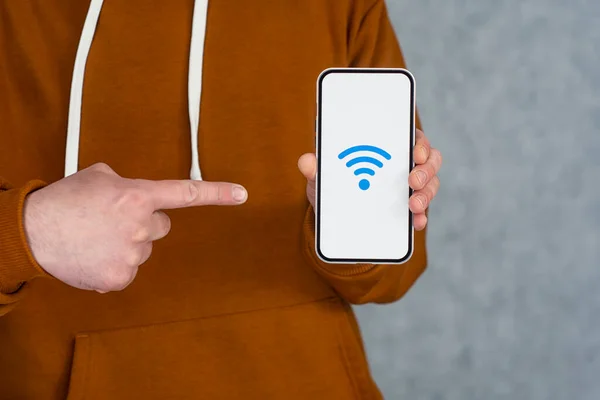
510	306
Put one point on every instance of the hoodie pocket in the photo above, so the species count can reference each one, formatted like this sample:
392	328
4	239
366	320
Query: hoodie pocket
299	352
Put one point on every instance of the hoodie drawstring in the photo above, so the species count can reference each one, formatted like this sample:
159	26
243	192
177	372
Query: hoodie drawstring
196	59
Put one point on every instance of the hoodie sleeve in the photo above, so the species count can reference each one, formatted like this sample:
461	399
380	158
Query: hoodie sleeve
17	265
372	43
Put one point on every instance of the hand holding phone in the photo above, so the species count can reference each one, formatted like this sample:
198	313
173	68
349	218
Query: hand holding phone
365	137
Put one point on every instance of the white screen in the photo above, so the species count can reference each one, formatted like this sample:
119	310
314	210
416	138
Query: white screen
363	217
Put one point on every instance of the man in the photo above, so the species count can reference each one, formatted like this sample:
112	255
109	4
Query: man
101	105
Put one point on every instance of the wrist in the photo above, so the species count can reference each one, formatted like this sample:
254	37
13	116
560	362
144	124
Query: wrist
33	229
17	264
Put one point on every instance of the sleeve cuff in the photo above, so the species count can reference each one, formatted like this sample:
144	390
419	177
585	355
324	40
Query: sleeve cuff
17	264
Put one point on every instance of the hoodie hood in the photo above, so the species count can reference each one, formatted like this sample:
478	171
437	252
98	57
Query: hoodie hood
194	83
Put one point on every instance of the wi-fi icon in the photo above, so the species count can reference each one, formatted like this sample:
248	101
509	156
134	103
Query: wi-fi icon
364	183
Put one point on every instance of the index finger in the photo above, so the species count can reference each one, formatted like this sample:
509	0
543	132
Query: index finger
171	194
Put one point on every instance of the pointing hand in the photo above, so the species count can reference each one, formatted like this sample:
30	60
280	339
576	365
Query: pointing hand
92	230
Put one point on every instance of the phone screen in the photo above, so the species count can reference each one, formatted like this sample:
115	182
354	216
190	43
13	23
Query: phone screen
365	136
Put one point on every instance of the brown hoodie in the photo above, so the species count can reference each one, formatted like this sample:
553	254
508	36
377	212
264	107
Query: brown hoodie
234	303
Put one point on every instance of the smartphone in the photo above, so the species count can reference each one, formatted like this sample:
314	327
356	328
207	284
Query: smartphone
365	133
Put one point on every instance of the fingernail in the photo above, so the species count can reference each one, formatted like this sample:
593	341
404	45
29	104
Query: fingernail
239	194
421	201
421	177
423	151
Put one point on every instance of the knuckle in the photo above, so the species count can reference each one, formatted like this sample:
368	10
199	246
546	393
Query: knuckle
102	167
142	235
133	198
431	190
119	279
132	259
430	171
429	193
189	192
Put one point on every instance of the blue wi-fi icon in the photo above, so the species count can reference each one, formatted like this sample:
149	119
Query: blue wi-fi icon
364	183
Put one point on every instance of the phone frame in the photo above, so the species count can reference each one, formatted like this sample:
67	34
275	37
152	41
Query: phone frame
318	133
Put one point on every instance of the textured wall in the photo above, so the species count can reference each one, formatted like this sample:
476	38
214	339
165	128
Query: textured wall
510	306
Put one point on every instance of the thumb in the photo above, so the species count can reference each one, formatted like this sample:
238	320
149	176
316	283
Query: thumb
307	164
171	194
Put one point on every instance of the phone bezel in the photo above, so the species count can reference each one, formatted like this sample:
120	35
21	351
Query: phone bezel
318	133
